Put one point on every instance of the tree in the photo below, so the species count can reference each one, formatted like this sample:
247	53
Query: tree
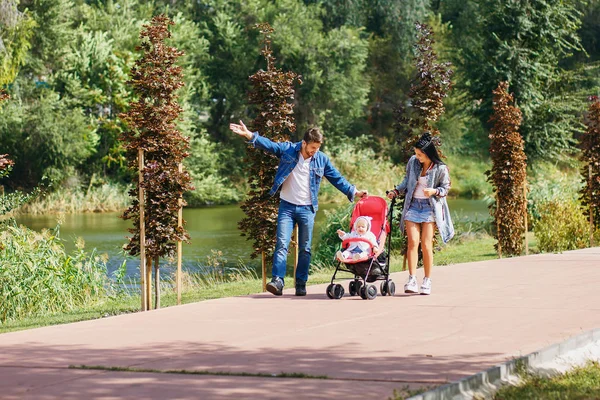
389	25
428	89
16	30
524	43
590	146
152	121
508	173
272	92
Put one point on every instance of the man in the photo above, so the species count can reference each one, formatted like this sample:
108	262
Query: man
299	174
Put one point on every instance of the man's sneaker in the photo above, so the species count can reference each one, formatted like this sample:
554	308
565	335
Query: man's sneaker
300	288
426	286
275	286
411	285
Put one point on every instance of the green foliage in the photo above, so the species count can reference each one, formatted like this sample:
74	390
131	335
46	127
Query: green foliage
16	30
428	89
508	173
333	63
360	164
562	226
468	177
51	37
590	146
45	138
272	91
524	43
209	187
38	277
152	120
389	25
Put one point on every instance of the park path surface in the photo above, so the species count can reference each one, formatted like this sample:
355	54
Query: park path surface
480	314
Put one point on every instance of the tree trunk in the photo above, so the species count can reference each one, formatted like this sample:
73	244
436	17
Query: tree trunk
156	284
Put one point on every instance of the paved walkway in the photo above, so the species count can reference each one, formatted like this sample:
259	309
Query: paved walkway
480	314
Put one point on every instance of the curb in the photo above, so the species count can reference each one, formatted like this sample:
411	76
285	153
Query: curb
485	383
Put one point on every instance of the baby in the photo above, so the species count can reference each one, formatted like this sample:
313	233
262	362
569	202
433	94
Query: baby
358	250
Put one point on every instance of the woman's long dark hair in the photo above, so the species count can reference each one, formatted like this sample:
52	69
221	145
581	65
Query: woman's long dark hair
426	144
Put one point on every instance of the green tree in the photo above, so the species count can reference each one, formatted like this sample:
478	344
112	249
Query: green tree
16	30
45	137
53	32
333	62
524	43
389	25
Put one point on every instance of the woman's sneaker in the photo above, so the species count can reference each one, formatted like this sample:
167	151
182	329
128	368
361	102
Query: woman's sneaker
426	286
411	285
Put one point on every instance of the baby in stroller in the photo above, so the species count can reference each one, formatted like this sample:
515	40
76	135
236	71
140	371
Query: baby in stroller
371	228
362	248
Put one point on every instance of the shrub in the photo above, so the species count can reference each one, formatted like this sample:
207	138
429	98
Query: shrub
562	226
38	277
362	167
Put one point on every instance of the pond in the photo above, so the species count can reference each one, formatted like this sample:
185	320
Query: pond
210	228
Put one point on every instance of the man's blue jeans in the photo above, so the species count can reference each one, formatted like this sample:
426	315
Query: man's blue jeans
290	214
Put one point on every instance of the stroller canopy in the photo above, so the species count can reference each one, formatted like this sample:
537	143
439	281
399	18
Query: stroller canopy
376	208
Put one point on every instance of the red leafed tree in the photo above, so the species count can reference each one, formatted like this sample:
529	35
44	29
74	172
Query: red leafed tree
152	122
590	146
428	89
508	173
272	94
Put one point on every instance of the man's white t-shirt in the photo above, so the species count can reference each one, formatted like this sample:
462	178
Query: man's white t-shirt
296	187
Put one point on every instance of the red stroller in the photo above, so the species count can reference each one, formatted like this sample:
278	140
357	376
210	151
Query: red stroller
374	268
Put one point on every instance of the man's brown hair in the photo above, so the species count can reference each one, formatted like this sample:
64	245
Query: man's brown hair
313	135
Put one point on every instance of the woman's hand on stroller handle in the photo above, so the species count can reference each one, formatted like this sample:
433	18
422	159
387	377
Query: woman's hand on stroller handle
391	193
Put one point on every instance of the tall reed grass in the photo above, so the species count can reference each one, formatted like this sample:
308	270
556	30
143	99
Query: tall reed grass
104	198
38	277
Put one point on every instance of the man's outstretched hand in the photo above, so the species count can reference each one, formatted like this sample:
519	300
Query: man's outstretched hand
362	193
241	130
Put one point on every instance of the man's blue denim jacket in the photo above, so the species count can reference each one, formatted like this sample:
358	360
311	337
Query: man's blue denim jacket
320	167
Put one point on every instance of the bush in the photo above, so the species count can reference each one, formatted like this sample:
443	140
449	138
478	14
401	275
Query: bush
362	167
562	226
38	277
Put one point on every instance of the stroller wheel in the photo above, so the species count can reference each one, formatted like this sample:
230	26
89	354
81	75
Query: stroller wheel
384	288
338	291
330	290
358	284
363	292
370	292
352	288
391	288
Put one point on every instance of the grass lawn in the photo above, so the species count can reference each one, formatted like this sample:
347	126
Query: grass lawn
579	383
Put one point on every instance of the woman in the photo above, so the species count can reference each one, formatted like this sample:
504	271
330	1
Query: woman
425	186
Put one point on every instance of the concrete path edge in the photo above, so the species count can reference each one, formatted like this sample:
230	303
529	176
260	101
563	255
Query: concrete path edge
484	384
